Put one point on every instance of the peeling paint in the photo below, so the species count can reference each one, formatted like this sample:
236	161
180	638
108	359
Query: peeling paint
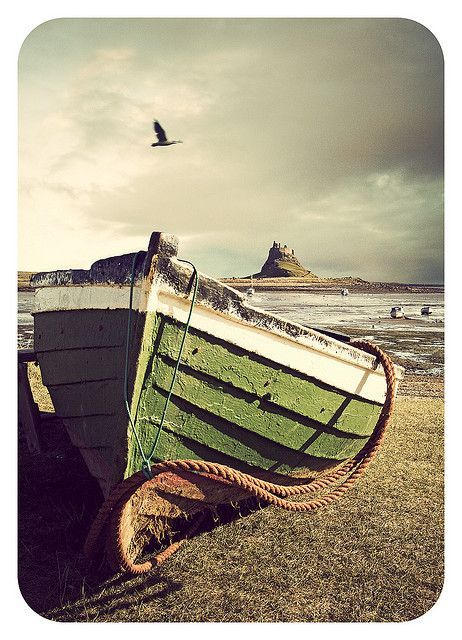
253	389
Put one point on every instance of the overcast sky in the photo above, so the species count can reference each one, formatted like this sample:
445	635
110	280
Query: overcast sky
325	135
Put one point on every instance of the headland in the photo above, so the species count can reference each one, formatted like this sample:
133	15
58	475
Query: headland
283	271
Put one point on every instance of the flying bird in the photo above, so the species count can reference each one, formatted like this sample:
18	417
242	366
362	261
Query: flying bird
162	136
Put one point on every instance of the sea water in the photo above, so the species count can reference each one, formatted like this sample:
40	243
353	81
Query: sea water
25	320
415	341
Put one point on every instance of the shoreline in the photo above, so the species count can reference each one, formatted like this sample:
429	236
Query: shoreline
334	285
322	285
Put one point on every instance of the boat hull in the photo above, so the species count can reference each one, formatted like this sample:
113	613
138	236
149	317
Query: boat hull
256	398
81	354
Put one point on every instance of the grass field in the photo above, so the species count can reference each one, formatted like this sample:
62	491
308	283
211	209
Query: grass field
376	555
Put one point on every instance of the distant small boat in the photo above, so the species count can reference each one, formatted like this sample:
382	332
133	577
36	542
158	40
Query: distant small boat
344	292
426	311
397	312
250	291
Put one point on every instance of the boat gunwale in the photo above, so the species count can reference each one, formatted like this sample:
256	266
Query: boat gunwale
302	332
162	269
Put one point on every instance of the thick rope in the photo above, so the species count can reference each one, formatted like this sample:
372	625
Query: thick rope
345	476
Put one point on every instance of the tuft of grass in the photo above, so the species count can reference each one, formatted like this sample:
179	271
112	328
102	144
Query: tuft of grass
292	269
39	391
375	555
289	269
24	280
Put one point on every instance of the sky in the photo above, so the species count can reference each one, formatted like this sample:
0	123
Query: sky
322	134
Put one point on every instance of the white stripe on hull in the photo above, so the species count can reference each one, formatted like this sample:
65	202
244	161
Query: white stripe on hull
325	359
347	373
69	298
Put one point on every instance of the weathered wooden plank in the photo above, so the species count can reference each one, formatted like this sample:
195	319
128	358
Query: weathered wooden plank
188	433
141	366
172	446
104	466
200	426
280	387
103	397
27	355
28	411
252	414
97	431
82	329
80	365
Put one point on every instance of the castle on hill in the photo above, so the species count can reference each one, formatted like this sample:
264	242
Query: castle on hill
282	263
283	250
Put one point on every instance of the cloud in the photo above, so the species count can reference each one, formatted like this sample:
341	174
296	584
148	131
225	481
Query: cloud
387	219
325	134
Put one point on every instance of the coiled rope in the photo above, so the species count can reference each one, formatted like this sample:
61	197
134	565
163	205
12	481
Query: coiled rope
344	477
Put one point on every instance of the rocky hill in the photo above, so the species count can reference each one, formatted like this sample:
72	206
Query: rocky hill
282	263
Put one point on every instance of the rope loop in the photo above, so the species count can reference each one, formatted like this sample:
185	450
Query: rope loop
342	479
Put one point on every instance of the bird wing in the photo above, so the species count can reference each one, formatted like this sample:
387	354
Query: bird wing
161	135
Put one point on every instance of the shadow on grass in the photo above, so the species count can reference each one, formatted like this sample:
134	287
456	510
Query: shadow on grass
114	595
375	556
58	499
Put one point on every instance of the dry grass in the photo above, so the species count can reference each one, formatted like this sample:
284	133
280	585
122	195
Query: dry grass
376	555
24	280
39	391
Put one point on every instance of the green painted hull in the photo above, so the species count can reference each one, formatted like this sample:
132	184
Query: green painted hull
228	404
234	407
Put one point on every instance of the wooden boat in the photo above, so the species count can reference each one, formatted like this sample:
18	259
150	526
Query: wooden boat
252	391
